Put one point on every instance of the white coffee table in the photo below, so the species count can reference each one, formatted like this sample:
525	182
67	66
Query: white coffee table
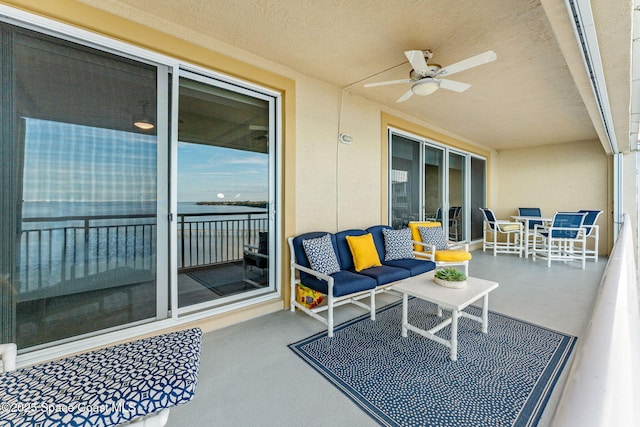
454	300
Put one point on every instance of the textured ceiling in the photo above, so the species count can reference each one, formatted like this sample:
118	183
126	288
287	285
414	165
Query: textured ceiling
527	97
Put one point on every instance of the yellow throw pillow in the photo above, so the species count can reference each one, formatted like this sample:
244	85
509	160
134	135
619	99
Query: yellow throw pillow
415	233
363	251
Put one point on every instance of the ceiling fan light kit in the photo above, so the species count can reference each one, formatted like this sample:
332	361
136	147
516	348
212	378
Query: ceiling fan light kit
425	87
423	75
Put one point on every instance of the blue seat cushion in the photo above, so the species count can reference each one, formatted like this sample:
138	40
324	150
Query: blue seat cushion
344	283
385	274
414	266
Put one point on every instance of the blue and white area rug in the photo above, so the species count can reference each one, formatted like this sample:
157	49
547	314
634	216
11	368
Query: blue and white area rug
502	378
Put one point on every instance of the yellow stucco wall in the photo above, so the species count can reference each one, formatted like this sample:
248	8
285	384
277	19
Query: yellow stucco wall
563	177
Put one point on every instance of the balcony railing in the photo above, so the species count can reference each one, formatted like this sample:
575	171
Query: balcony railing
603	385
204	240
58	249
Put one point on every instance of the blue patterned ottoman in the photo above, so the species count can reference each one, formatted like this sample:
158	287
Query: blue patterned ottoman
105	387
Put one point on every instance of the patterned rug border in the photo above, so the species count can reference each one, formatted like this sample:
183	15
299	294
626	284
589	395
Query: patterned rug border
529	414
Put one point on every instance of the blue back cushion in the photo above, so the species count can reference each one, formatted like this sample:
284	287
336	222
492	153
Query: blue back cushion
590	218
567	220
529	212
344	253
488	215
378	239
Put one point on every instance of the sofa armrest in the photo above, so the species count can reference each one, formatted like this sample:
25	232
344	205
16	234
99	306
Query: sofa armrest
429	251
316	274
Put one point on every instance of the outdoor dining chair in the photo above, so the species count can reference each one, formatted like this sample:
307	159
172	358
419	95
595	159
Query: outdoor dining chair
563	240
256	257
501	236
592	232
530	236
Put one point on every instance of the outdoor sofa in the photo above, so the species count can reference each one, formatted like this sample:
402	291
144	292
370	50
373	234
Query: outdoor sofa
352	265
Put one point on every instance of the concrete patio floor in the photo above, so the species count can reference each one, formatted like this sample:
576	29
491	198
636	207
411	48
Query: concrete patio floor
248	376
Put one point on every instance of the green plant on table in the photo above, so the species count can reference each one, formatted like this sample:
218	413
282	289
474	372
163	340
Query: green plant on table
450	274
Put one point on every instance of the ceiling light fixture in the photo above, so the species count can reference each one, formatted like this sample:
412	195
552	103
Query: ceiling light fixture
143	121
425	87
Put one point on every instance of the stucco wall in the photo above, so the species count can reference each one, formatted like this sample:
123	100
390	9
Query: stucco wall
563	177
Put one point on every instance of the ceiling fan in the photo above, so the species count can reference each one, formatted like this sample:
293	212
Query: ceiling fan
425	76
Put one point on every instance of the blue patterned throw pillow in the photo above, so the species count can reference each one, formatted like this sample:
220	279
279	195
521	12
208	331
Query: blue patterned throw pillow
433	236
321	255
397	244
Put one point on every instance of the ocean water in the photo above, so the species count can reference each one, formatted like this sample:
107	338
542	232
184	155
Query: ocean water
70	241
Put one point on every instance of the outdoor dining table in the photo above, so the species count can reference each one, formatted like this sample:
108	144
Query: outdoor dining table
524	242
134	382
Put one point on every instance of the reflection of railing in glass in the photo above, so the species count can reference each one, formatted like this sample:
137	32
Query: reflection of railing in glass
54	250
58	249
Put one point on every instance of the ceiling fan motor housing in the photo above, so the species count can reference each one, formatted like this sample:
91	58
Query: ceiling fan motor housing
431	71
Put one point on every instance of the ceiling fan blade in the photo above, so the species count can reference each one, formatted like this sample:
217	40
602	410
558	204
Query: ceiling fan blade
406	96
417	61
453	85
465	64
390	82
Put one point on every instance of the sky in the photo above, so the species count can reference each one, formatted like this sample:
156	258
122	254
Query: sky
74	163
208	173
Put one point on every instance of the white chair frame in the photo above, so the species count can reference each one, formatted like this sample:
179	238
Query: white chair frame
430	254
512	243
593	233
560	248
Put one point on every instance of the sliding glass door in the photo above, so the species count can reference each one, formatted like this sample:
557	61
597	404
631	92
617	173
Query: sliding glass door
79	228
224	191
405	184
448	187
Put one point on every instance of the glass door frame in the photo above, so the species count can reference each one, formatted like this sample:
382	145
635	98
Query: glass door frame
274	140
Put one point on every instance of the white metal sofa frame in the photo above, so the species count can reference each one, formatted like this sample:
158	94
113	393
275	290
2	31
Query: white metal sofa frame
560	238
332	301
496	227
395	272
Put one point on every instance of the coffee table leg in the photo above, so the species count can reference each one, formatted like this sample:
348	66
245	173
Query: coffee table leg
454	335
405	317
485	313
